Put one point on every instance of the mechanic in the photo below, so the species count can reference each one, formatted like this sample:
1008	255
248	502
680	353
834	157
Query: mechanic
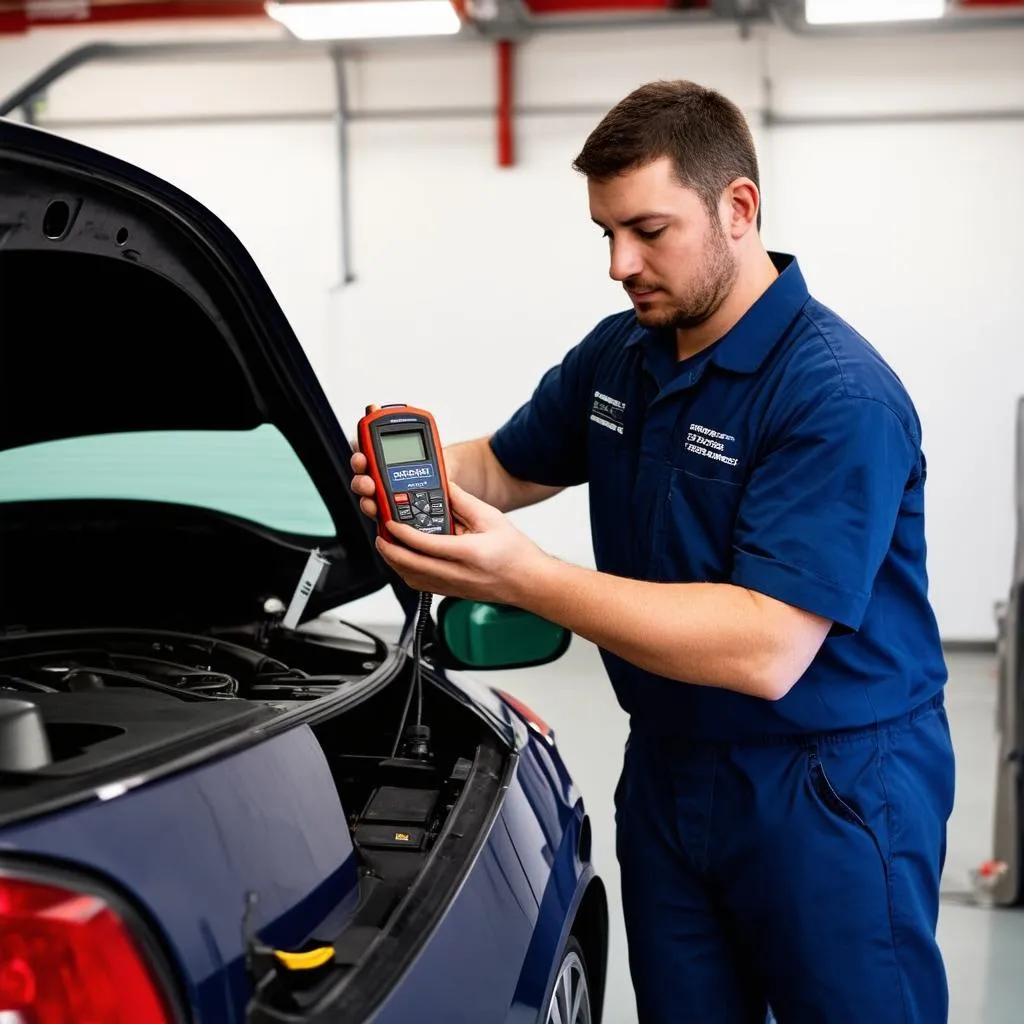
760	598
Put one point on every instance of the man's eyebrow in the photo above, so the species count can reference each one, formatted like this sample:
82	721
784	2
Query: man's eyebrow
638	219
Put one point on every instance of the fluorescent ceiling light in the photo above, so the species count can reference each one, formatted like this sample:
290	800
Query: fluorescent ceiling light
838	12
366	19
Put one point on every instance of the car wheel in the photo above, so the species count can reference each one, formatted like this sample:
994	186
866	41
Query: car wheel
570	998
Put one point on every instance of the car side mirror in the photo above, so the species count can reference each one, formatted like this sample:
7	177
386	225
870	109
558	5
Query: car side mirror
479	635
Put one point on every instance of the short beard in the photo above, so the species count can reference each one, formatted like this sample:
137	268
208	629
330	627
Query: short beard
708	292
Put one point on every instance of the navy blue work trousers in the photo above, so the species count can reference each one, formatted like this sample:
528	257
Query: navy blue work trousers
797	873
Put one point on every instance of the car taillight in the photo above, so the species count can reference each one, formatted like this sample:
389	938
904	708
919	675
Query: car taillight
68	958
527	714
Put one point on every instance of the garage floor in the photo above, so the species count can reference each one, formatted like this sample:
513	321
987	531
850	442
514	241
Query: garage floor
984	948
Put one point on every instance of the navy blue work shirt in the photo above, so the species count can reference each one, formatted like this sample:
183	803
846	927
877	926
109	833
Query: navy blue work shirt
786	459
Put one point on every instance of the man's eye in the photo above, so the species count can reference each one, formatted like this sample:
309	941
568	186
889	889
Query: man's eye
649	236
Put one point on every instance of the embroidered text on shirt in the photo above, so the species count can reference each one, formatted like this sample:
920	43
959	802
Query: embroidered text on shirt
712	444
607	412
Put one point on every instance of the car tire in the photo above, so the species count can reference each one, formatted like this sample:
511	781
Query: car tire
570	995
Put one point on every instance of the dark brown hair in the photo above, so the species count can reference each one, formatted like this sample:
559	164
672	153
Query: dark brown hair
705	135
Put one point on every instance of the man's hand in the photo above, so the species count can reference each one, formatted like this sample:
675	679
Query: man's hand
487	560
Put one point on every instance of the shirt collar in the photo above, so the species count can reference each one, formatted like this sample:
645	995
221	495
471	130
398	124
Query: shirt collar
747	344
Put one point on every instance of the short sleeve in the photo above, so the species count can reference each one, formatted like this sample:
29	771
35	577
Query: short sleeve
819	510
544	441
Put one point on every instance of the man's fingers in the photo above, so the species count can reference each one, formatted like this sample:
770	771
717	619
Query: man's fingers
405	561
396	556
433	545
363	485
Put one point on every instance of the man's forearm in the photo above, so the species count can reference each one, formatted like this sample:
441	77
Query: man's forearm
473	466
710	634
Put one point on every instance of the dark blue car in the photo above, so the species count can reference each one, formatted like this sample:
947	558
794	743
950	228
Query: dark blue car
220	801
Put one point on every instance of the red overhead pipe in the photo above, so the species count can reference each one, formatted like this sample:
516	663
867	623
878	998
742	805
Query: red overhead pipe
20	17
506	154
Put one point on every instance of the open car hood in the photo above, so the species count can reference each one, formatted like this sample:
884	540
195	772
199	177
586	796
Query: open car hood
127	307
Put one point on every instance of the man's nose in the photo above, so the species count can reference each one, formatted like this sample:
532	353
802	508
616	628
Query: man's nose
626	261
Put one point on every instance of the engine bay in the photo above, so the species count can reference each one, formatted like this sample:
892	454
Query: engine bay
74	701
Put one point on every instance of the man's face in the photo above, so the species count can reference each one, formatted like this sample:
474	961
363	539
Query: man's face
670	254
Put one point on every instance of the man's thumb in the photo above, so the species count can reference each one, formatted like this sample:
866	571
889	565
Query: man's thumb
476	514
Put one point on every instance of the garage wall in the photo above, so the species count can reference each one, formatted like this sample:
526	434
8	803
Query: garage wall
474	278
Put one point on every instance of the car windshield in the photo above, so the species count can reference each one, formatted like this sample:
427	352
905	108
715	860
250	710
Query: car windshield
254	474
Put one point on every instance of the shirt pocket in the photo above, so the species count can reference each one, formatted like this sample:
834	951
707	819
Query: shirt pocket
695	539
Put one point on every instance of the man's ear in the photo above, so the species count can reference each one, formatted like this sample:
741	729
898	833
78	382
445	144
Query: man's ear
741	207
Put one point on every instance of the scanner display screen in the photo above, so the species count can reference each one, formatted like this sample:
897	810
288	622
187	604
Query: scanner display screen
404	447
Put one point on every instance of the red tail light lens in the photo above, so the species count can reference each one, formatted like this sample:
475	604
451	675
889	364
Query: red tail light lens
527	714
67	958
